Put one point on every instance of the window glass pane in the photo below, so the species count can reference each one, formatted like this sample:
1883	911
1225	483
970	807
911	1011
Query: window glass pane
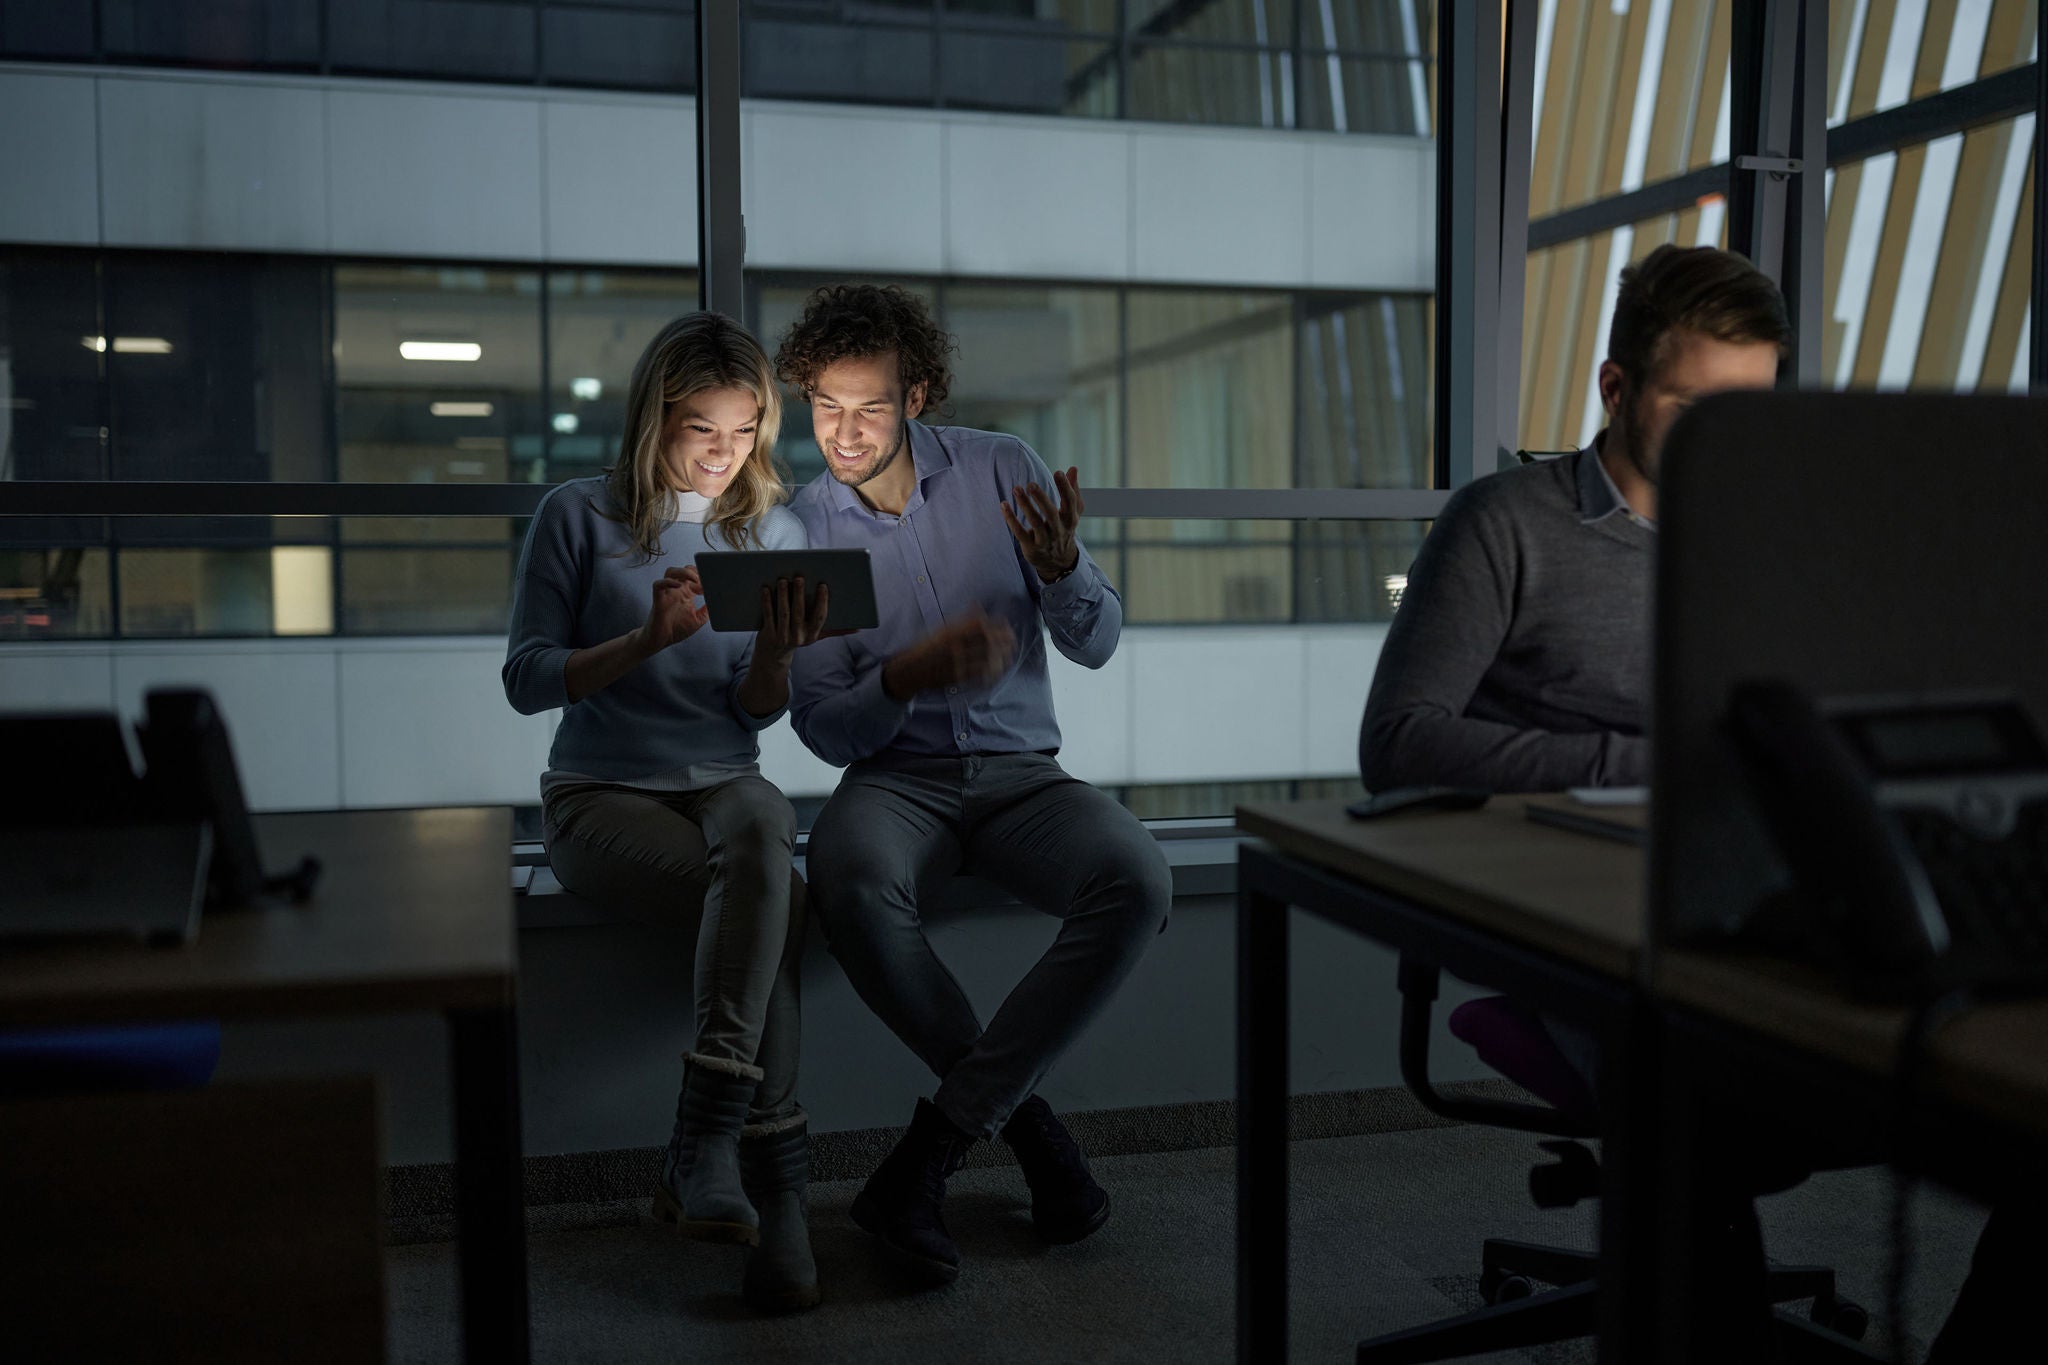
1027	75
482	39
1211	389
216	366
632	44
1041	364
52	591
1206	85
421	576
1265	572
1628	95
37	28
847	61
1930	264
52	409
207	32
1368	67
598	323
1366	381
1884	53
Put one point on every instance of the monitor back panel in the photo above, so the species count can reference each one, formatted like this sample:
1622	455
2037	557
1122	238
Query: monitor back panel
1851	544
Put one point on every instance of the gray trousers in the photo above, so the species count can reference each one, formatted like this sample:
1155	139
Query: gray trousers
713	865
894	832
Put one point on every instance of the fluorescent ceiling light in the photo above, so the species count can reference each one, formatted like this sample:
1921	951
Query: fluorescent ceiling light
453	409
128	345
566	423
440	350
586	389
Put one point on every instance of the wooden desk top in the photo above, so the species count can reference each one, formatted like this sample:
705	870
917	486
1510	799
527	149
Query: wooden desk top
1992	1060
1575	895
413	912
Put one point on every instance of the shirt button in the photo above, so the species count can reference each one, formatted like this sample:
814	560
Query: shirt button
920	578
951	690
963	736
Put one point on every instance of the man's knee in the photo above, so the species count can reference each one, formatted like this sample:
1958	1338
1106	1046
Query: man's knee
1134	888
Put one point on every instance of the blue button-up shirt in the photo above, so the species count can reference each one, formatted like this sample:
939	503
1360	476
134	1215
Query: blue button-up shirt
949	554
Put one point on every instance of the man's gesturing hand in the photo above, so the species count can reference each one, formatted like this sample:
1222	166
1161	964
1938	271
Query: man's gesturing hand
968	652
1047	532
674	614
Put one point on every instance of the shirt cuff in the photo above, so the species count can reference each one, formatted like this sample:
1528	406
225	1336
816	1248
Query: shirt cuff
748	720
1078	588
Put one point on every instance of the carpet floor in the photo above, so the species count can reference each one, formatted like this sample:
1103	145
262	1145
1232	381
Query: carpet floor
1386	1230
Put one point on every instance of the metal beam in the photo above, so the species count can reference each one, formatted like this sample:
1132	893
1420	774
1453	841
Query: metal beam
1517	120
2037	340
1467	241
1806	212
119	498
1763	54
721	231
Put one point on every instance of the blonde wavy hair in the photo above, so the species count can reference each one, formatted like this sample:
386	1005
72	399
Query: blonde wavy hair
697	351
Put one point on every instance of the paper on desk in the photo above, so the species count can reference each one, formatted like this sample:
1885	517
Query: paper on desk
1610	796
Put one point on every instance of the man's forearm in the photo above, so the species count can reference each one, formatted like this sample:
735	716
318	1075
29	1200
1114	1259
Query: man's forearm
1425	747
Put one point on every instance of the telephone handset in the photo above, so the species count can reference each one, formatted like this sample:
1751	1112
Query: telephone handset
1916	829
190	774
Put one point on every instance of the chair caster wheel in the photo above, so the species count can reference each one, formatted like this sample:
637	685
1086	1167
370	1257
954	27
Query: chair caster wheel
1497	1288
1840	1317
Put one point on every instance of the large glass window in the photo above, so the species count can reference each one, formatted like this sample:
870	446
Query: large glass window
599	321
1042	364
1885	53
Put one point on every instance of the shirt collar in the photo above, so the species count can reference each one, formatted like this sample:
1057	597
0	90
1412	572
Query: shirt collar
928	456
1599	499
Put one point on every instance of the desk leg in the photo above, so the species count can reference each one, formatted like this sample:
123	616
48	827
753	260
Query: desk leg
1261	1128
490	1204
1630	1125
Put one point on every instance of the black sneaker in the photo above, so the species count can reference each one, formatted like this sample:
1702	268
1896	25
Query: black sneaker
900	1203
1066	1203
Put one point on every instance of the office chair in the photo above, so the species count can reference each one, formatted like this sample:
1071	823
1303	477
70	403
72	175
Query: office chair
1511	1039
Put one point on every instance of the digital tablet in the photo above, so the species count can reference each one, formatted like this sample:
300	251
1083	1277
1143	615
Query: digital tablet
733	580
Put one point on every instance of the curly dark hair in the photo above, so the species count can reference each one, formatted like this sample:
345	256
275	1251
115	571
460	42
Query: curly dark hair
855	321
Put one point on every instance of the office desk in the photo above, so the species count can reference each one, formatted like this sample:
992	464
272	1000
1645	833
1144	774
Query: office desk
413	912
1785	1041
1553	917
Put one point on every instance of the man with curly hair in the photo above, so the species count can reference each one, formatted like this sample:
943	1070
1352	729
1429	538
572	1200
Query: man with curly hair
943	718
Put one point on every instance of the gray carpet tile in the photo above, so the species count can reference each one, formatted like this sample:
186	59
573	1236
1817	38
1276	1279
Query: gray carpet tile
1386	1234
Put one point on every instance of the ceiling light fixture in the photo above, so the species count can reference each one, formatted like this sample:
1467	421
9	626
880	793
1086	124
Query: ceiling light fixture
586	389
440	350
454	409
128	345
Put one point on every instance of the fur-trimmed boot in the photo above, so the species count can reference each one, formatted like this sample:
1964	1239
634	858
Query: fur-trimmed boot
700	1190
775	1164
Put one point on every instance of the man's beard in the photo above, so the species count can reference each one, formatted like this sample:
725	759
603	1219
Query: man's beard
1628	426
902	439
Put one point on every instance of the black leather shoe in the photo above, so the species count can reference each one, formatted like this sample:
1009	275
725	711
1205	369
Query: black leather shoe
1066	1203
900	1203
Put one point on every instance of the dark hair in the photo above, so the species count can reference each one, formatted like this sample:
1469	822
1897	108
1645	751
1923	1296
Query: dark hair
1701	289
855	321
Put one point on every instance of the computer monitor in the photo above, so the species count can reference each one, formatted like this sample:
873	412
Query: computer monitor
1850	544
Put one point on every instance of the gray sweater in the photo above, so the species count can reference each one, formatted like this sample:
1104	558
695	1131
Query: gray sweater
1519	658
579	584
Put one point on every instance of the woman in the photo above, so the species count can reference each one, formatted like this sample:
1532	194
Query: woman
653	804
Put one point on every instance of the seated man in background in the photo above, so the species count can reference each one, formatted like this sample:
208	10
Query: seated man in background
1520	658
943	715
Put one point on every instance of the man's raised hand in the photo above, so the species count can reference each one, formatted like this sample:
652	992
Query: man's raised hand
962	653
787	625
1046	531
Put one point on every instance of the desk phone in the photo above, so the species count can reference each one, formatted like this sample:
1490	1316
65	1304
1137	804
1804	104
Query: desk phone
1915	827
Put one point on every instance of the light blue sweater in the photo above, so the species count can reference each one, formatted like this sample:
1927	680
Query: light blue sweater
579	584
